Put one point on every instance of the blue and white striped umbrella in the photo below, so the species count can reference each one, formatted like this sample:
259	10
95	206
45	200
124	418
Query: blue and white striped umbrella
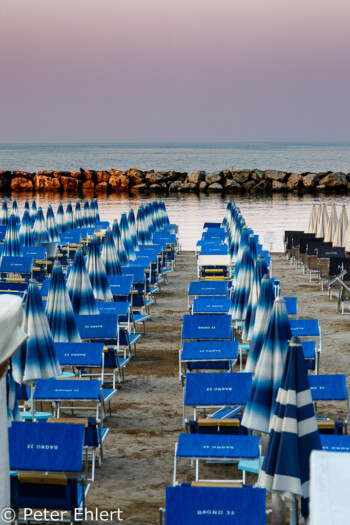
40	231
261	322
36	358
132	226
126	237
118	241
95	214
26	237
69	218
97	272
243	243
4	214
13	411
15	211
268	371
294	433
26	206
110	255
252	248
51	225
259	272
78	215
60	218
33	211
143	237
12	246
239	301
79	287
59	309
87	215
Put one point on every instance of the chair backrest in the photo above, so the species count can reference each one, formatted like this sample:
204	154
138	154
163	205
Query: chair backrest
208	288
188	505
35	252
336	265
102	326
68	389
216	389
211	304
206	327
117	308
120	285
22	265
291	305
217	446
325	252
328	387
137	273
335	442
214	249
79	354
193	350
305	327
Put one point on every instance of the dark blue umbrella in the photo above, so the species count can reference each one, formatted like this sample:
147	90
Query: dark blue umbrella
12	246
243	285
259	272
118	241
88	223
33	211
69	218
15	211
97	272
60	219
110	255
51	225
126	237
26	237
95	214
294	433
79	287
243	243
78	215
252	248
26	206
143	236
4	215
40	231
132	226
268	371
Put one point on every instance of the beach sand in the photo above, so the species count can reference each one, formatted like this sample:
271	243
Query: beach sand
147	411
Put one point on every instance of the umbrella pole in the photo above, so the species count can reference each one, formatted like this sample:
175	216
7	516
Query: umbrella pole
32	402
278	515
293	512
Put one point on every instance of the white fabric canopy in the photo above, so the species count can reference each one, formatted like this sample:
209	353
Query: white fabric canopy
339	237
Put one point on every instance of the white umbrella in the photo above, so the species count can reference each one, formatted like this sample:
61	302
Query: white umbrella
342	229
311	228
322	222
332	225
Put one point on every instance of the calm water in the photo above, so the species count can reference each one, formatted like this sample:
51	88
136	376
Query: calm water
274	214
298	157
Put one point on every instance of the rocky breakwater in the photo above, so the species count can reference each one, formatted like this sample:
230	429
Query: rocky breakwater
137	181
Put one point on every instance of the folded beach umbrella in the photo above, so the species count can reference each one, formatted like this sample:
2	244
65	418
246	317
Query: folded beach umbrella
33	211
132	226
59	309
126	237
87	215
60	219
321	226
259	271
261	322
311	227
12	246
239	301
79	287
95	214
332	225
97	272
25	234
78	216
26	206
69	218
243	243
110	255
294	433
252	248
268	371
119	244
15	211
51	225
40	231
340	233
143	236
4	214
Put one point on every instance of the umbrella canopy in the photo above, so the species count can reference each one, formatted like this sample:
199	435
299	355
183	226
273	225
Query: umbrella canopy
268	371
12	246
332	225
143	236
79	287
311	227
69	217
340	233
322	223
60	219
15	211
110	255
118	241
243	243
126	236
33	211
4	214
294	433
59	309
261	322
36	358
87	215
239	302
78	215
40	230
26	206
97	272
25	234
252	248
259	272
95	214
132	226
51	225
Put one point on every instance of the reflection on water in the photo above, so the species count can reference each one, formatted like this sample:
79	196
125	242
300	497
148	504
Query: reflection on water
274	213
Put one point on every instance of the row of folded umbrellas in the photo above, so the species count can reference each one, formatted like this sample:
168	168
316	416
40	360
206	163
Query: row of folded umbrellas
330	227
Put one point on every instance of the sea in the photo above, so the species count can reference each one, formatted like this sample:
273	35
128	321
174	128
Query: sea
269	216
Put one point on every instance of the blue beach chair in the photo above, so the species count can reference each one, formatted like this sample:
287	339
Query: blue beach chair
330	387
207	288
207	327
208	355
308	328
211	305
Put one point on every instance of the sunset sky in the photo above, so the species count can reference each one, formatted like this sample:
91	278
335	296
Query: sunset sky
186	70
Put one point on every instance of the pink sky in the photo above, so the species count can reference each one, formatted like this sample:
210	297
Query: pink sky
187	70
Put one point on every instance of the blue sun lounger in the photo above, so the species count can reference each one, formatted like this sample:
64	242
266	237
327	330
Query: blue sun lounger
46	463
308	328
211	305
215	390
207	288
223	448
20	266
335	443
291	305
121	287
188	505
208	355
14	288
207	327
81	356
330	387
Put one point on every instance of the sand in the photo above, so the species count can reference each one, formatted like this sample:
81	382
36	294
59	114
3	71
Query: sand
147	411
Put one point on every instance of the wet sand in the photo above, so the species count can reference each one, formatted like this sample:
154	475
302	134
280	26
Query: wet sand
147	410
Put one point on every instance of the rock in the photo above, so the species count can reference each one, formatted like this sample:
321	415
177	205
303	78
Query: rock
348	186
22	174
75	174
187	186
196	177
89	174
278	186
215	187
310	180
101	187
249	185
156	188
295	181
320	187
69	183
257	175
42	182
232	186
136	176
4	183
119	183
102	176
47	173
275	175
202	186
5	173
335	180
21	184
88	185
175	186
240	176
164	185
263	186
213	178
139	188
154	178
227	174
